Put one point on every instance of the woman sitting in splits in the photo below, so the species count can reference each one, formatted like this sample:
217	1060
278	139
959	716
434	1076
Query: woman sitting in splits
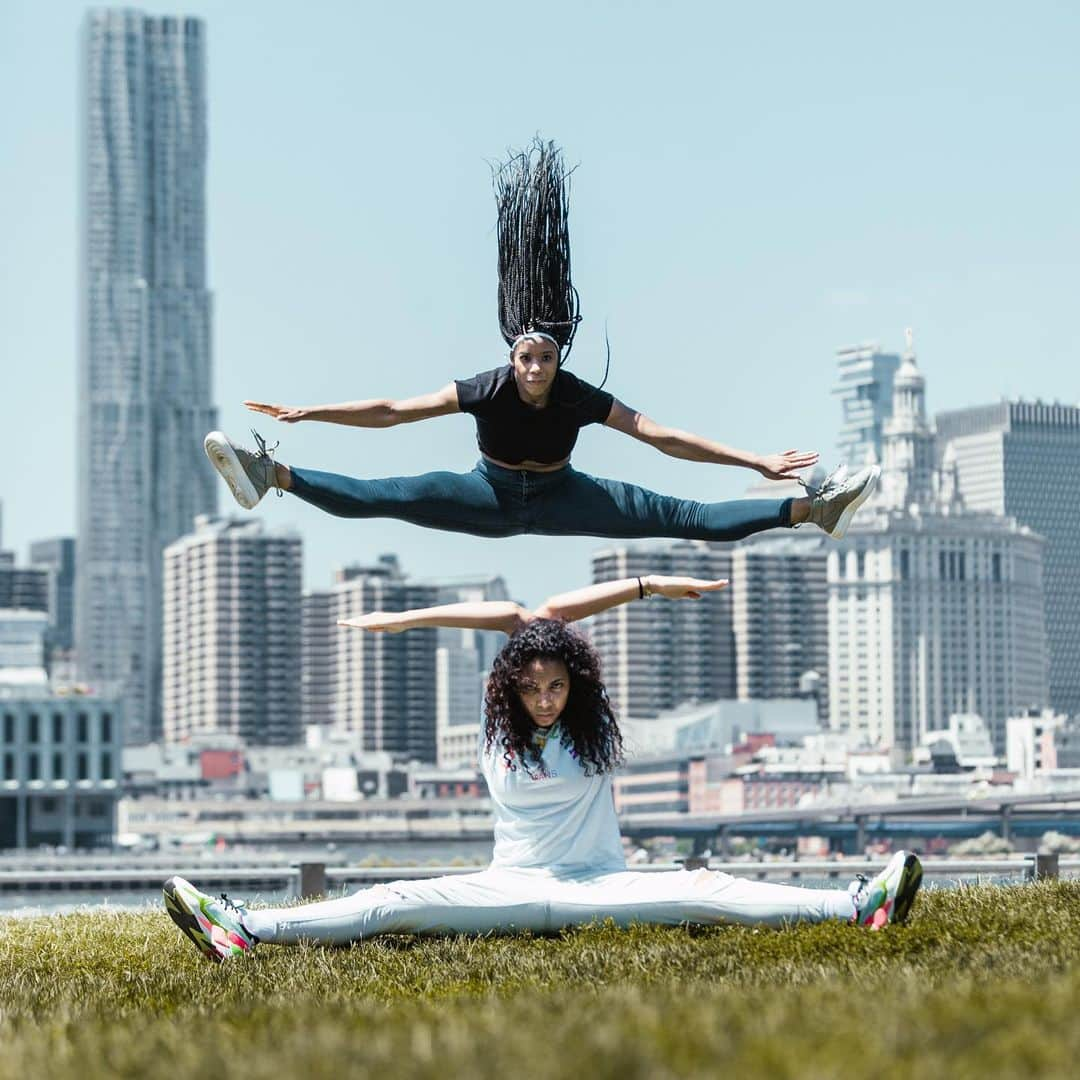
528	414
550	743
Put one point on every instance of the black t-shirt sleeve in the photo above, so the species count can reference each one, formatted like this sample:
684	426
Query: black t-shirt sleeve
477	391
590	404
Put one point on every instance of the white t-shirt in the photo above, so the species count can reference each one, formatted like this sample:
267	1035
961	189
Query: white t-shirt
562	821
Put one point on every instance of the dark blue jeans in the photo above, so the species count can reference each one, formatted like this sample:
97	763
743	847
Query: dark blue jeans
493	501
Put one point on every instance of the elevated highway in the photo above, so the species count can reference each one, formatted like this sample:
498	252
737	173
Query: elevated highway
853	824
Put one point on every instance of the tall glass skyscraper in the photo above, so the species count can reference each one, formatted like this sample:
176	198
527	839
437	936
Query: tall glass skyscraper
1022	458
144	367
864	385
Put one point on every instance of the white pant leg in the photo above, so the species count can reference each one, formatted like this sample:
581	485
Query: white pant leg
509	900
696	896
490	900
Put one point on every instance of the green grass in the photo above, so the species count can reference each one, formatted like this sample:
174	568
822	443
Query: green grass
984	982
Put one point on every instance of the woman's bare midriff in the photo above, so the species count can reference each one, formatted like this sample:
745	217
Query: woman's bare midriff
528	466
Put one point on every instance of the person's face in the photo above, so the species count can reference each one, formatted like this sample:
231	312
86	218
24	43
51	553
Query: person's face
543	687
536	363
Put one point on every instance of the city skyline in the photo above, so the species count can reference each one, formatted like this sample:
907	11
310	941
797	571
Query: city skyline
684	208
146	395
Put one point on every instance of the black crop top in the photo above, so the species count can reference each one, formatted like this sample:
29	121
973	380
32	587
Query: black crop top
509	430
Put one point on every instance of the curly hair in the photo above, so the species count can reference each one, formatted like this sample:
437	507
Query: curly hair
587	725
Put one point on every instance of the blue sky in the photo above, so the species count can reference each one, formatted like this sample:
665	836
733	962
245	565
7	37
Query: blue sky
757	185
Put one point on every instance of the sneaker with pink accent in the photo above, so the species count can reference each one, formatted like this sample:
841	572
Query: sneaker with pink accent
888	897
215	927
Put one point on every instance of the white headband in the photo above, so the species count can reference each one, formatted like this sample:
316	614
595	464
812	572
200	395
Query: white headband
532	335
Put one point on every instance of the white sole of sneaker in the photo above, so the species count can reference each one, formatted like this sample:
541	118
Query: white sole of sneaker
849	510
222	456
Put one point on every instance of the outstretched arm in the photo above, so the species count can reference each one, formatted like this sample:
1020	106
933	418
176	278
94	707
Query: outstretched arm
508	617
378	413
501	615
581	603
683	444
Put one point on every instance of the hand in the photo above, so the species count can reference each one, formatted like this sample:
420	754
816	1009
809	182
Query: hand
288	413
680	588
378	622
784	466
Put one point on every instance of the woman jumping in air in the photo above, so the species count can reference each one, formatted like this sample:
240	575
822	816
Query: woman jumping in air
549	744
528	414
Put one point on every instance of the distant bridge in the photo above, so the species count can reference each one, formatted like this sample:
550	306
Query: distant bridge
852	824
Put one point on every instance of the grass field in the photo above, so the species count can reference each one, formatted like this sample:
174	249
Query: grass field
984	982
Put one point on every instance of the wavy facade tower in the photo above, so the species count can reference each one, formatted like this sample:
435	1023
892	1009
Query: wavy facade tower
144	365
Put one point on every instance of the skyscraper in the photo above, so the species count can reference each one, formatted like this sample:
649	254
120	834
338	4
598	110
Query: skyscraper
57	557
864	384
780	616
463	660
1023	459
318	658
22	587
231	636
657	654
144	365
934	609
383	686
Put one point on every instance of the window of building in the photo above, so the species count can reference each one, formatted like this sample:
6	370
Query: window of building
58	766
58	727
106	766
83	766
905	564
9	766
995	566
48	806
82	728
34	728
9	728
106	727
33	766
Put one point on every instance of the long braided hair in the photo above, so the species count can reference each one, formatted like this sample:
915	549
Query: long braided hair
587	725
535	289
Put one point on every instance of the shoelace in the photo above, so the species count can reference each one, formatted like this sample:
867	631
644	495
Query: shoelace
857	889
235	906
828	485
267	452
239	909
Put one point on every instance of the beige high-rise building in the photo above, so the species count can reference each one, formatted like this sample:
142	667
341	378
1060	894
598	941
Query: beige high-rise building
934	609
231	632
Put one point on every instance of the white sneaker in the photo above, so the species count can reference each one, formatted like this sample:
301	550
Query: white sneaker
250	474
215	927
888	897
833	505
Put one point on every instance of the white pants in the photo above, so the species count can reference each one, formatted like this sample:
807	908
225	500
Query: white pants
508	900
